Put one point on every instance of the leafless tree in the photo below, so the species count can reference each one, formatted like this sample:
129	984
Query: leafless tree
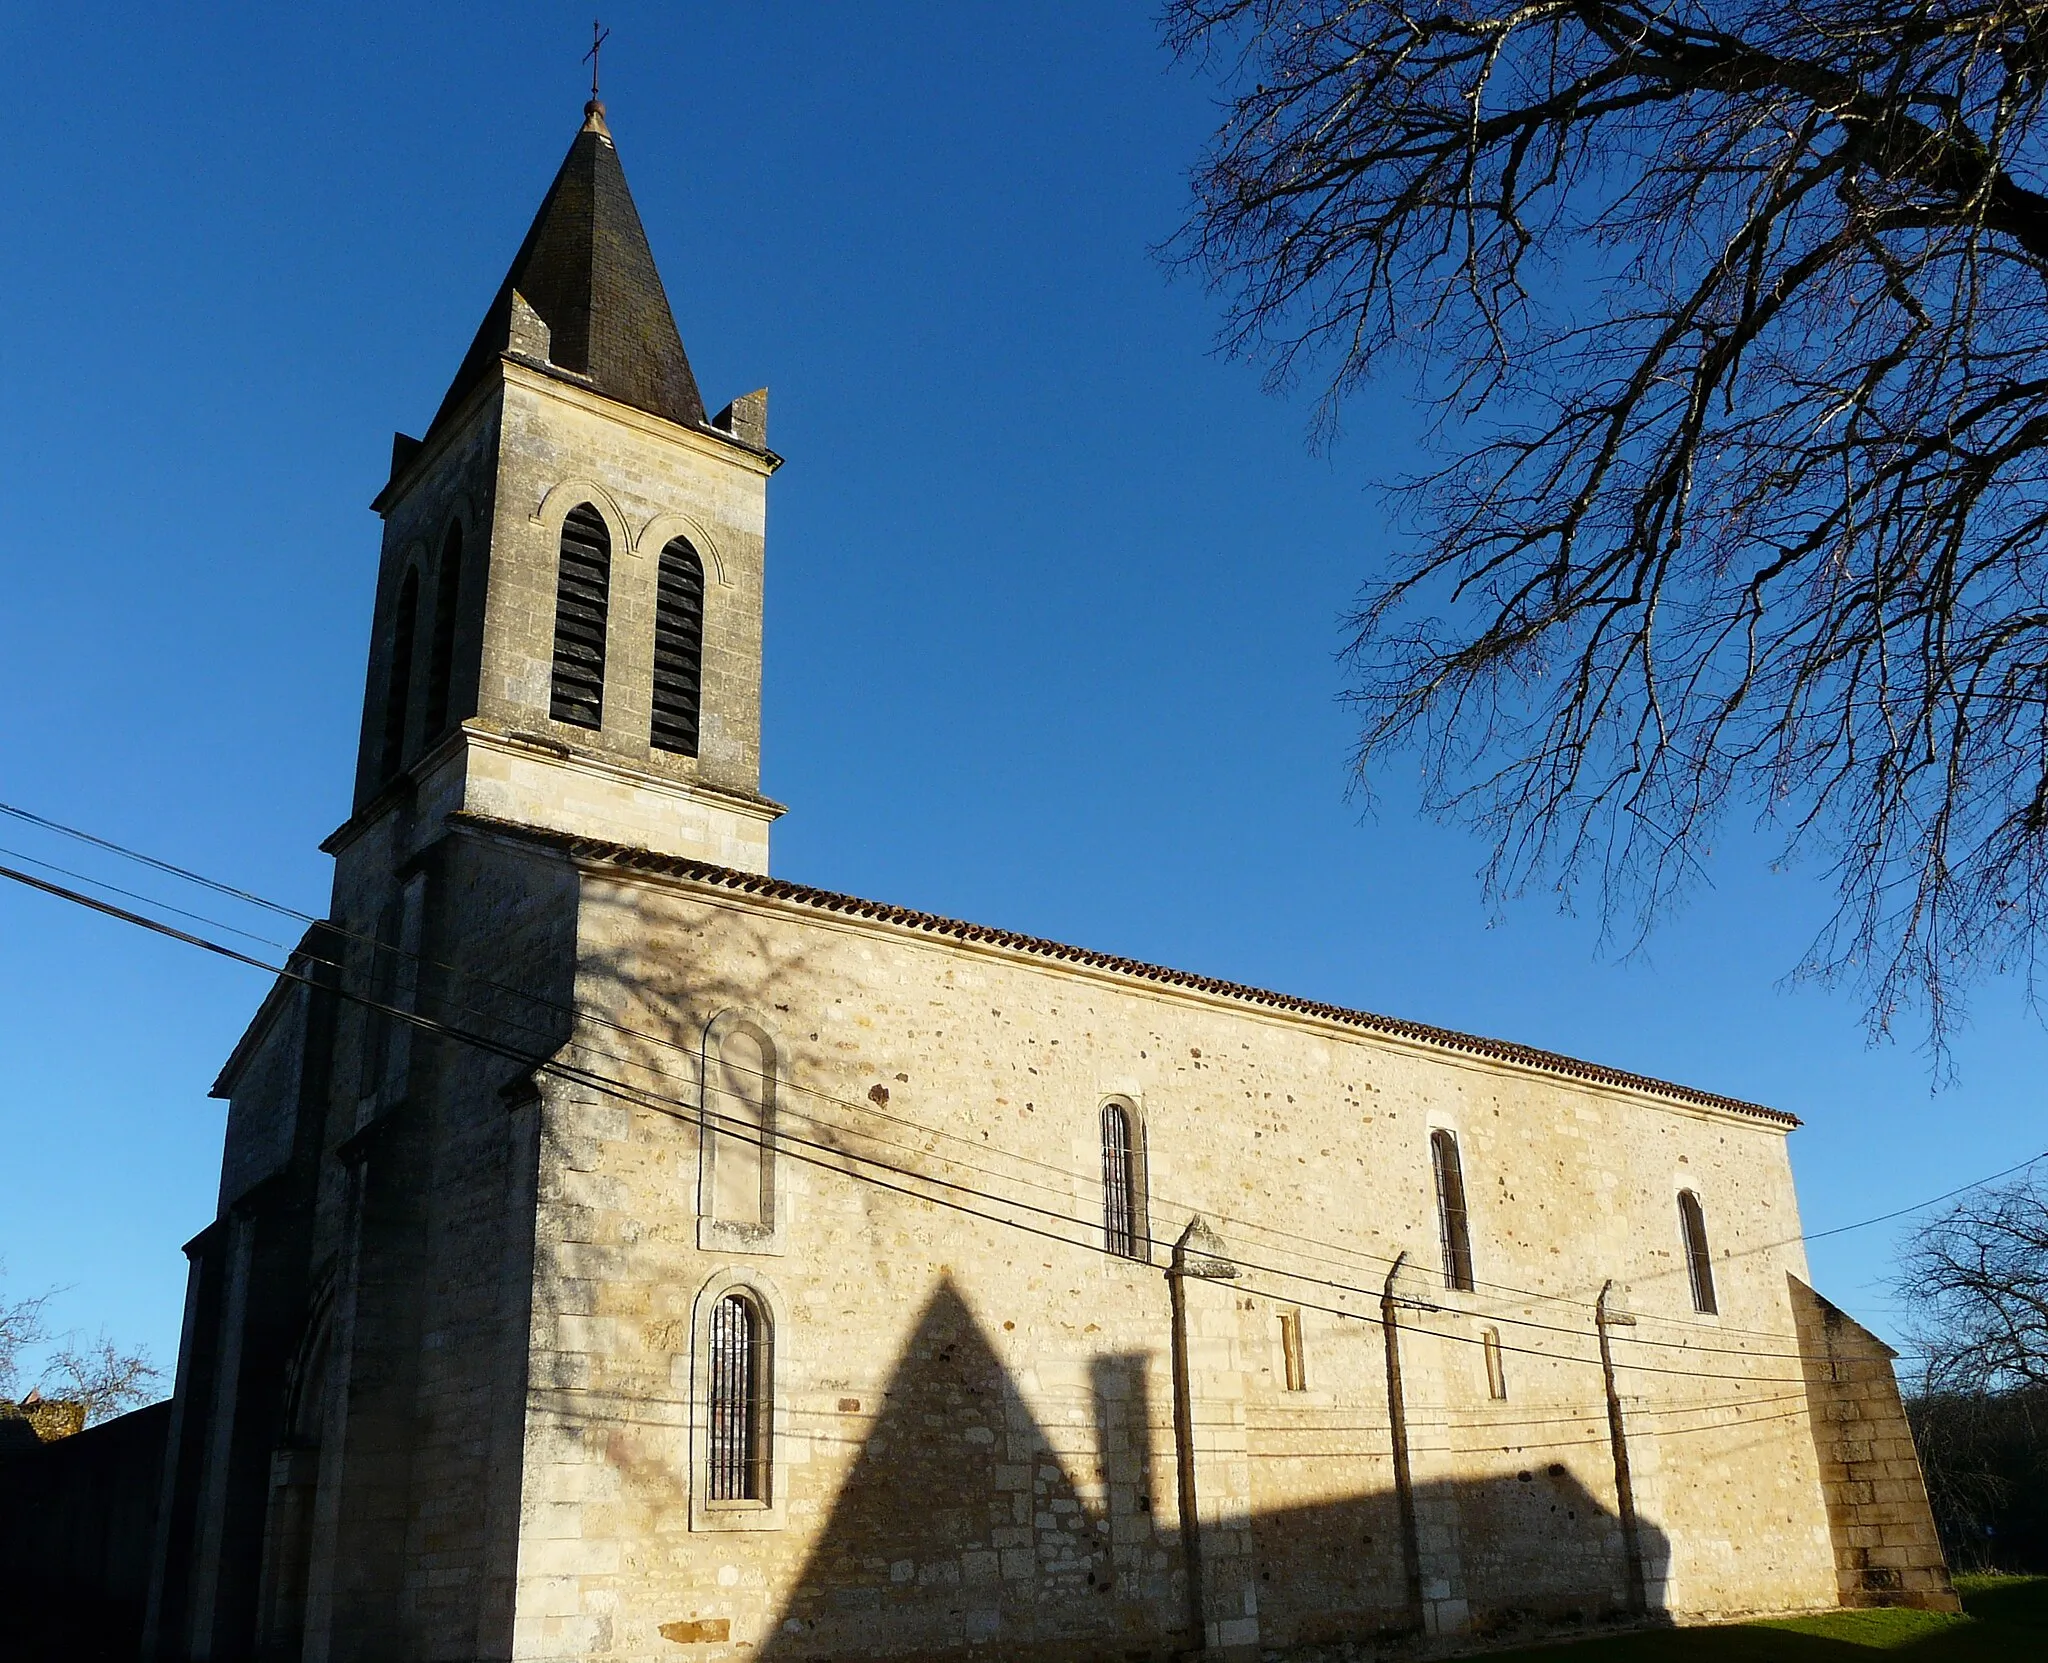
1735	320
1976	1281
21	1330
99	1374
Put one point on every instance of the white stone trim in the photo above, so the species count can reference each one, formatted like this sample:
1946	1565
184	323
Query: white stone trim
566	494
656	534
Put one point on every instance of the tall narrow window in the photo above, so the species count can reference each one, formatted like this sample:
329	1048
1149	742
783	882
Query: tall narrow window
740	1111
678	648
739	1406
1119	1183
398	683
1692	1224
583	581
1450	1211
441	653
1496	1365
1292	1358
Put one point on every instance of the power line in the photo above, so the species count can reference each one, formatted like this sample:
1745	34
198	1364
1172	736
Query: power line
866	1111
828	1158
875	1112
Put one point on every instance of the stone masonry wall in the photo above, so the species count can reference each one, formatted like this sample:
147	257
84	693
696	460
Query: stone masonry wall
974	1439
1886	1549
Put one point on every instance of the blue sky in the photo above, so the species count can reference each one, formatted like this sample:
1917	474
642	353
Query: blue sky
1055	592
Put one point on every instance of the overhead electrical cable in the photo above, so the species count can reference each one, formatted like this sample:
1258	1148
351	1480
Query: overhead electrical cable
830	1158
280	908
871	1111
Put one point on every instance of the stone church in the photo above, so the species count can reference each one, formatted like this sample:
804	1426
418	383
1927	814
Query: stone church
625	1254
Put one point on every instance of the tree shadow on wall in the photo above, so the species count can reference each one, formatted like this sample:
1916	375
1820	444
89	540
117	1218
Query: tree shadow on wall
965	1528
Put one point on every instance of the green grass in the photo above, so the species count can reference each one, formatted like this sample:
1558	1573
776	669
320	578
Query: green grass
2004	1617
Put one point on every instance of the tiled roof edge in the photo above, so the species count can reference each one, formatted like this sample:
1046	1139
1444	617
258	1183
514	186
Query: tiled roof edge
825	900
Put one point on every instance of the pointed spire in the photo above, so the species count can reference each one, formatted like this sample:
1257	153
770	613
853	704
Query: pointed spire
586	272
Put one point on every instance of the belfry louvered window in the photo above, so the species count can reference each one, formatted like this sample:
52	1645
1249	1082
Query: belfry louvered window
583	582
739	1407
441	651
398	682
678	648
1119	1183
1452	1222
1692	1224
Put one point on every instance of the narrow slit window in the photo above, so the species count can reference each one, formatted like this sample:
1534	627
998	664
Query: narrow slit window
1291	1356
678	649
1692	1224
1450	1211
398	685
441	653
1496	1365
1119	1183
739	1407
583	581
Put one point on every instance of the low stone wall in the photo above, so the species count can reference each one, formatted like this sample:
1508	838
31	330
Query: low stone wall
1886	1548
77	1517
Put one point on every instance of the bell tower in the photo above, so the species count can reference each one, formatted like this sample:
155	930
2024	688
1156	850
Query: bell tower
568	618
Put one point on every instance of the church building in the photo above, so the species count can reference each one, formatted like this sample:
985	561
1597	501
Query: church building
625	1254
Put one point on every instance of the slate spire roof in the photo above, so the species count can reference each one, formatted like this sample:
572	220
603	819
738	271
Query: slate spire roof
586	270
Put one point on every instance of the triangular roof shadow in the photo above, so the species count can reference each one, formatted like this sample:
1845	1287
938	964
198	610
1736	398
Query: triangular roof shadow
586	270
959	1527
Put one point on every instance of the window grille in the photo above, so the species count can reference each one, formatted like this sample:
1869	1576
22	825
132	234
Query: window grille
398	686
441	652
1119	1183
582	602
678	648
1450	1211
1692	1224
1291	1355
738	1412
1496	1365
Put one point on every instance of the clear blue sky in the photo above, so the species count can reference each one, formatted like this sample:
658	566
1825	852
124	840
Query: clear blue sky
1054	597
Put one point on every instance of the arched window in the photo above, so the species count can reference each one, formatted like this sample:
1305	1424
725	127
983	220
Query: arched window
678	648
583	581
398	683
1119	1183
1692	1224
441	651
739	1112
739	1409
1450	1211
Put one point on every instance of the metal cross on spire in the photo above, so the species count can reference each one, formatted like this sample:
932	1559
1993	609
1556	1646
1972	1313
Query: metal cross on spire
598	36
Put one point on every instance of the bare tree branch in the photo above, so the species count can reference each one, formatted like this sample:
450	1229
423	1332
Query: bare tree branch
1736	321
99	1375
1976	1280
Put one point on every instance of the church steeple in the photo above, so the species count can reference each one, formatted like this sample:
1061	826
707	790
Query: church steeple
568	619
586	272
